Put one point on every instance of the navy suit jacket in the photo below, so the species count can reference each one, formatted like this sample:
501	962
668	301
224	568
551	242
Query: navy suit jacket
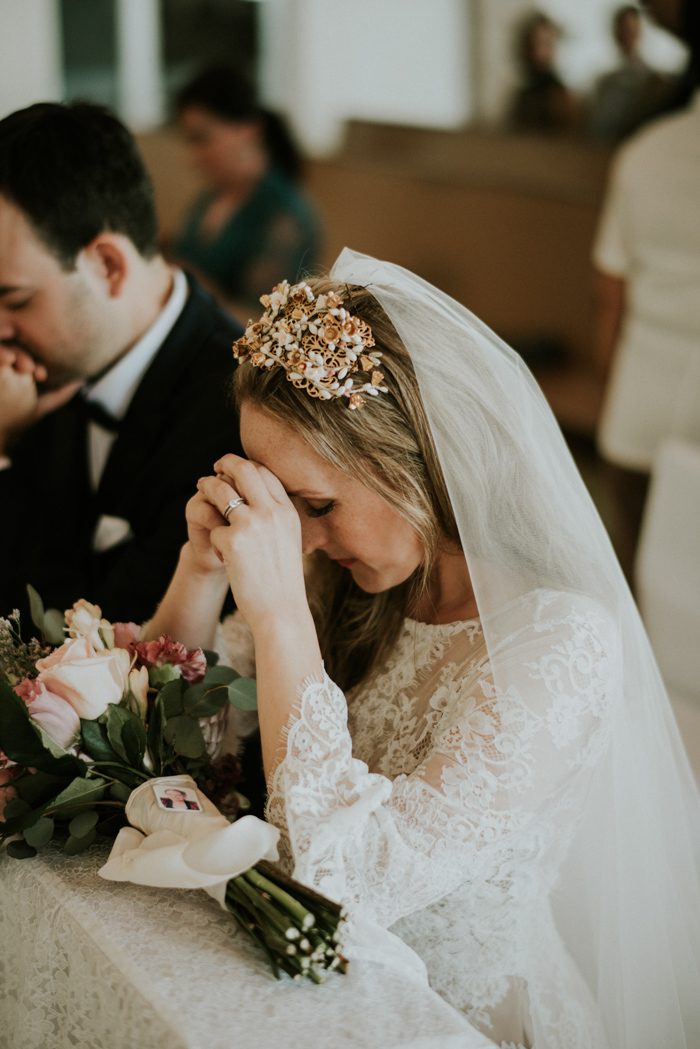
180	420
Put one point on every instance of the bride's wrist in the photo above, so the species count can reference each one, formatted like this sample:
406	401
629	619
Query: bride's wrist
191	564
284	625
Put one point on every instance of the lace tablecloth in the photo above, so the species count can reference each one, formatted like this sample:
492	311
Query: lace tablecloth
89	964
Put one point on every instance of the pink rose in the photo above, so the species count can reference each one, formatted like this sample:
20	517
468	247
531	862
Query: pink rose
126	634
165	651
53	714
86	679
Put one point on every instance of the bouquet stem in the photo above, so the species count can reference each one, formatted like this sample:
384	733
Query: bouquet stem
297	928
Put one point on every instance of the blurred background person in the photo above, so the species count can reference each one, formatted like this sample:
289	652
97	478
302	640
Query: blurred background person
542	102
251	226
627	96
647	260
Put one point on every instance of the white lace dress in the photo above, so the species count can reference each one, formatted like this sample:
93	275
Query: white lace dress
435	804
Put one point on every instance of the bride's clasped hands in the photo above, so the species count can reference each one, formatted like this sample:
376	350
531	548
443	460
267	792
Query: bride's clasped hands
257	540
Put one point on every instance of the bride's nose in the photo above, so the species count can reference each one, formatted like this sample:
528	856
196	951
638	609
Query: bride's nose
313	534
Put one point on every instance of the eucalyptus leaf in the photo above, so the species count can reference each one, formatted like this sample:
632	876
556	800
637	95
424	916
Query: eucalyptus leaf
40	833
75	845
185	737
211	657
36	608
243	693
120	792
78	794
81	825
220	675
20	850
53	630
203	700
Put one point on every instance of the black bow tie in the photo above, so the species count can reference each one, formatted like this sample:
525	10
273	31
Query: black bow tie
95	412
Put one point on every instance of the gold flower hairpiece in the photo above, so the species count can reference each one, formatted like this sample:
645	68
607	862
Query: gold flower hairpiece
321	346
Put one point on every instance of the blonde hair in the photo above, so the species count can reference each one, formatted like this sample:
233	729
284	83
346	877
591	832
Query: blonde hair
387	445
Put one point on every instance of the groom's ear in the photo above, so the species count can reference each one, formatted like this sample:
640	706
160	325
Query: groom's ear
107	260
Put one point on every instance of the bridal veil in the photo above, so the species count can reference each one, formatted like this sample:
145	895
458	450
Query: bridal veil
626	900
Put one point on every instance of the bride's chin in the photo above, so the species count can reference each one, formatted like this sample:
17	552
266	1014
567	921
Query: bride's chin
371	581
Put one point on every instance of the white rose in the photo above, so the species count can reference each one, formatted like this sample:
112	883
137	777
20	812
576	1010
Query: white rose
85	620
86	679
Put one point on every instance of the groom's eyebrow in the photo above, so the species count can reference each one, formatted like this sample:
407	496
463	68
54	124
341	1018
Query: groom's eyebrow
5	289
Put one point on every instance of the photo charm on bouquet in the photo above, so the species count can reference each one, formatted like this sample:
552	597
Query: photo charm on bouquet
104	737
174	799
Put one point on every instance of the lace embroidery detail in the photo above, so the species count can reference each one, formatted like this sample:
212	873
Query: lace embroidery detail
441	803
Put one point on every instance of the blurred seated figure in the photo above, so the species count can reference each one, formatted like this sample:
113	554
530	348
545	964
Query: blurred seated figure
542	103
251	226
629	95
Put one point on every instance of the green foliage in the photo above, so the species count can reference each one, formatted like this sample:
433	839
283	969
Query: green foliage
243	694
126	734
40	833
48	623
70	799
203	700
185	736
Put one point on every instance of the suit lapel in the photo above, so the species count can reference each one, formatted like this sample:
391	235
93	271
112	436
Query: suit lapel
149	410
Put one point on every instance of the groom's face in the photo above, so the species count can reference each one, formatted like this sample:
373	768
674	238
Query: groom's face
46	310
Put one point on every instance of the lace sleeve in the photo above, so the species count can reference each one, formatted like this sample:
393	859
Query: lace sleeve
503	767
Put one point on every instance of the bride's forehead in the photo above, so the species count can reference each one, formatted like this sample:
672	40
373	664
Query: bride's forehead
281	449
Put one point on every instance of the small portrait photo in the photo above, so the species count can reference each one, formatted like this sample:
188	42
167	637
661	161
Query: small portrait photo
177	799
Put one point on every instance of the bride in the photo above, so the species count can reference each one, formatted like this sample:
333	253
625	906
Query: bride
465	736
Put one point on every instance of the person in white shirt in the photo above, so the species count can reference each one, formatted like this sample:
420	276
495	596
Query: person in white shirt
647	259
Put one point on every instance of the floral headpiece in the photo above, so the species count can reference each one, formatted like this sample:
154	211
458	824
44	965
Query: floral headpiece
321	346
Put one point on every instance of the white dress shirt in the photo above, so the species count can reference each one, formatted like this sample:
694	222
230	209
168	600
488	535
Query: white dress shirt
649	235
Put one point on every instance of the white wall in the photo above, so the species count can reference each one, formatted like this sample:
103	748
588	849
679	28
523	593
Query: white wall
436	63
30	53
399	61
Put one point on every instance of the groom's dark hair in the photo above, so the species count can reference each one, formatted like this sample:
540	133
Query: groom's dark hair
74	171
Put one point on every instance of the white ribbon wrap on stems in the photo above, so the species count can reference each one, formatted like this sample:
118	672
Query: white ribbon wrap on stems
177	849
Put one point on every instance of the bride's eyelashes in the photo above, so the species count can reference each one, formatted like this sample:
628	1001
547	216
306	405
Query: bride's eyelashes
318	511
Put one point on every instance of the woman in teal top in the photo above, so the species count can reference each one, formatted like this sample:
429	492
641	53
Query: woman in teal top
252	227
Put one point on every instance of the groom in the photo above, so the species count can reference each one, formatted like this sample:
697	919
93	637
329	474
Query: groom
114	370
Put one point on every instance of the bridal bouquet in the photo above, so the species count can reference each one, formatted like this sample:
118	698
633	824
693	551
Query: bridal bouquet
99	729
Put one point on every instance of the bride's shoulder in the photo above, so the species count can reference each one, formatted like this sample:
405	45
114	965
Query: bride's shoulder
547	615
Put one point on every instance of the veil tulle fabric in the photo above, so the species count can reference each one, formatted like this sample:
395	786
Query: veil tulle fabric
627	901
